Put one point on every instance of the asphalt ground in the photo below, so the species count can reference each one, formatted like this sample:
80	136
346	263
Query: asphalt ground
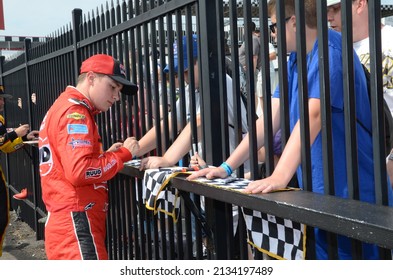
20	242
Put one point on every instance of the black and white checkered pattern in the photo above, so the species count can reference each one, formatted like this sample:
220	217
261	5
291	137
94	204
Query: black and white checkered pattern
236	184
239	3
279	238
159	195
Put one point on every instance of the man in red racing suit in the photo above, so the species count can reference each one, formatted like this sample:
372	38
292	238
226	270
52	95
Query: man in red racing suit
74	168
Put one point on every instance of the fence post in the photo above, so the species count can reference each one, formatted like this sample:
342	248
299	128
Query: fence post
5	169
2	58
211	111
28	89
76	36
30	122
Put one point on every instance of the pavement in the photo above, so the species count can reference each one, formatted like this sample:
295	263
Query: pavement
20	242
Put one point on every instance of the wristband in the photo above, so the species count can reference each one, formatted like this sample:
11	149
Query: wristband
227	168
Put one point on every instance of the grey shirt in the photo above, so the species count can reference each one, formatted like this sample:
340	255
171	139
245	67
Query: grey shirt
256	47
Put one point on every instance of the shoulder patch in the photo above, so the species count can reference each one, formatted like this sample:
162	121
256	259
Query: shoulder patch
76	116
77	129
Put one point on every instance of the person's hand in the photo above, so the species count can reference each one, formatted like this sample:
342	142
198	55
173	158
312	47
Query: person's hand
132	145
266	185
196	160
22	130
115	147
32	135
210	173
154	162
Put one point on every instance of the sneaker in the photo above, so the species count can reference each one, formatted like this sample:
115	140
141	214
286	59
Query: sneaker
21	195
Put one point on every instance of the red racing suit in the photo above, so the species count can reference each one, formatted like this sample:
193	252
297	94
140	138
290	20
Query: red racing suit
74	170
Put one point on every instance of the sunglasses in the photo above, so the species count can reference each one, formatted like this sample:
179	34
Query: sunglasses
273	25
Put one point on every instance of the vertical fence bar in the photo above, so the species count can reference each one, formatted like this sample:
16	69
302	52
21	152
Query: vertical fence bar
377	109
282	72
376	87
211	113
326	114
350	111
29	113
266	87
76	22
303	94
251	116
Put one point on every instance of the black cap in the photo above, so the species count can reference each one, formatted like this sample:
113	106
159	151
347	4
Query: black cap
3	94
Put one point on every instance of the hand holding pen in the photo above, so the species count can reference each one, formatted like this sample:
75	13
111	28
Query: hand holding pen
197	161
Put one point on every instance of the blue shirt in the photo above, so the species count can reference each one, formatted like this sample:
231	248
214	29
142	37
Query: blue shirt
364	137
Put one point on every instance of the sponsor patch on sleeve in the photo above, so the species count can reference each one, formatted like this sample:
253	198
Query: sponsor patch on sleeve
76	143
93	173
76	116
77	129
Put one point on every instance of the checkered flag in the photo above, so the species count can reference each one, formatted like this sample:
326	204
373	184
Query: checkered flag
277	237
159	195
230	182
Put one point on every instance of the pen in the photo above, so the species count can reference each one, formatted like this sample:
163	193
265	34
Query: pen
180	169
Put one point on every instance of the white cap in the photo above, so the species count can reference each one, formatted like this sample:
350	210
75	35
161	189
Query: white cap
332	2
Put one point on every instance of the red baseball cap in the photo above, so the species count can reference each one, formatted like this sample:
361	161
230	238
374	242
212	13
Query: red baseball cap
107	65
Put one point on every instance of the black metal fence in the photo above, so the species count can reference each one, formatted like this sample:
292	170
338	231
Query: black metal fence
141	35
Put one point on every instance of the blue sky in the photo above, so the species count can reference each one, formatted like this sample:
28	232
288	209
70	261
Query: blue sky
42	17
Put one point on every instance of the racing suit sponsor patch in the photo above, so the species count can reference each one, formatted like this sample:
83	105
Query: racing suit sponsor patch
75	143
109	165
89	206
76	116
93	173
46	160
77	129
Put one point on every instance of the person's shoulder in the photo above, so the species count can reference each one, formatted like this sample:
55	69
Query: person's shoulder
334	38
71	101
334	43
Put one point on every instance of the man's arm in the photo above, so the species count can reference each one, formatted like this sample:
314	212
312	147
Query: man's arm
241	153
272	56
254	62
148	142
291	156
175	152
389	168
